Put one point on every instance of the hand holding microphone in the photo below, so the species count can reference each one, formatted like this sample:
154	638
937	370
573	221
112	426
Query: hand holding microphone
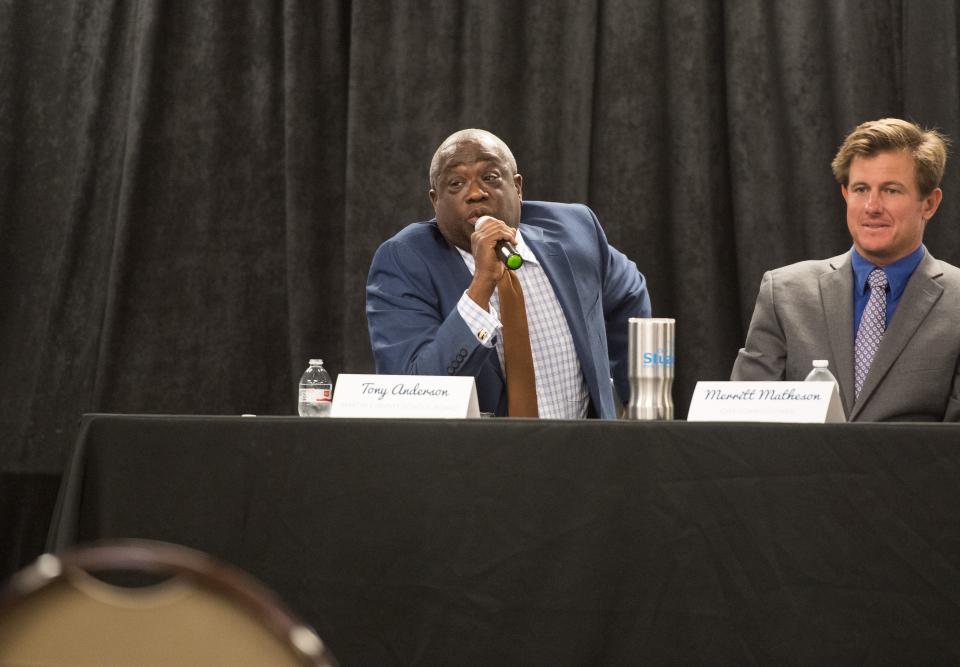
504	249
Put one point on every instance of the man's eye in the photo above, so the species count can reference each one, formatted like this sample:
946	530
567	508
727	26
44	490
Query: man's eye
491	177
891	190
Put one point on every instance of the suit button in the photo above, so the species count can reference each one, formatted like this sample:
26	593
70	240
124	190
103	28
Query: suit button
450	370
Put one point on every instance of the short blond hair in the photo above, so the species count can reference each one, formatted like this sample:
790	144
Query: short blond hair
928	148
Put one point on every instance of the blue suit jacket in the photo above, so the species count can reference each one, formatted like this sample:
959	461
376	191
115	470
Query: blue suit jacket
416	279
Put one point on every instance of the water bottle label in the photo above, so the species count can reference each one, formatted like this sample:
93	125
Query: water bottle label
662	357
317	395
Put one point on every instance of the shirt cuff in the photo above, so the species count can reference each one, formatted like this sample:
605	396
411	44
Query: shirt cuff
482	323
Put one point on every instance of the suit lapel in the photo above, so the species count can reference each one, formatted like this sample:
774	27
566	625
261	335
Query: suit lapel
921	293
836	296
553	260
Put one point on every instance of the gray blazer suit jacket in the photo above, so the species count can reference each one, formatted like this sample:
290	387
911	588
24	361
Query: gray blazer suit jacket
805	311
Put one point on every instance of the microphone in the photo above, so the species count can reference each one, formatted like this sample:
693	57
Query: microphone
504	249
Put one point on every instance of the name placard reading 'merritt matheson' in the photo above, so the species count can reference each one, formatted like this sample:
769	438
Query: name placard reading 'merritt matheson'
436	396
807	402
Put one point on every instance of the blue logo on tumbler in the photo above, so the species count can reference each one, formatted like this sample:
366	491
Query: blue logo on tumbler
659	358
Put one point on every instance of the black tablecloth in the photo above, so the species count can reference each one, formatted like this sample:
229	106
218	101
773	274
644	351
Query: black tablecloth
524	542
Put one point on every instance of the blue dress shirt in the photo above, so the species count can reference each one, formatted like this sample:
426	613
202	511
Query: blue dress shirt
898	274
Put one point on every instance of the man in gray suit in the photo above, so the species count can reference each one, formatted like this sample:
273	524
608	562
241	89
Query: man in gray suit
886	314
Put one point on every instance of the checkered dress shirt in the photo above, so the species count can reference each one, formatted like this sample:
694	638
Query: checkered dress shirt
561	389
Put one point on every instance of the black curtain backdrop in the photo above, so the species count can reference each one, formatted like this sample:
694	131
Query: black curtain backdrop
191	192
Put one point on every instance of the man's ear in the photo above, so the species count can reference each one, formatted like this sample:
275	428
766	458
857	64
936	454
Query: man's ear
433	197
931	203
518	182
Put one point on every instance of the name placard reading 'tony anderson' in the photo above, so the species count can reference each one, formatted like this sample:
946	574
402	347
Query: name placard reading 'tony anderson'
437	396
802	402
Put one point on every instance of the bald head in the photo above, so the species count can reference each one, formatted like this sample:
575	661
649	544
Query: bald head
473	174
489	140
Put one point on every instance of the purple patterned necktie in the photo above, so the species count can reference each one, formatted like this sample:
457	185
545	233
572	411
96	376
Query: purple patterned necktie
873	323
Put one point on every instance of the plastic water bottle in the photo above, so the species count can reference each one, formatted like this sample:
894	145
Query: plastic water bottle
316	391
821	373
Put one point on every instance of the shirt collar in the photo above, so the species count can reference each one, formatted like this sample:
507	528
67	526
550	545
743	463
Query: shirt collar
522	249
898	273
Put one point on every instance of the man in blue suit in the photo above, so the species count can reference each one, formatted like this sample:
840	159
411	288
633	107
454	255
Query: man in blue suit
433	301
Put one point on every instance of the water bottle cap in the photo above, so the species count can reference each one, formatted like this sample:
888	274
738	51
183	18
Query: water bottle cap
821	363
316	362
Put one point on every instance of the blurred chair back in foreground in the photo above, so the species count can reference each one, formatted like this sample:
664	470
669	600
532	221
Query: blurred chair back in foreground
203	612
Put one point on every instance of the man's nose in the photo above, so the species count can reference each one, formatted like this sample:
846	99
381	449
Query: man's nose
873	203
475	191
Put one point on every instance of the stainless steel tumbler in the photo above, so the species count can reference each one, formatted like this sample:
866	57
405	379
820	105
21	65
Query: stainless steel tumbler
651	367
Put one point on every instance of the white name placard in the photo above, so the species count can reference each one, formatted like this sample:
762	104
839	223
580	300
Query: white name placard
432	396
804	402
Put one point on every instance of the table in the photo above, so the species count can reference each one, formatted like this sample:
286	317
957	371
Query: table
525	542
